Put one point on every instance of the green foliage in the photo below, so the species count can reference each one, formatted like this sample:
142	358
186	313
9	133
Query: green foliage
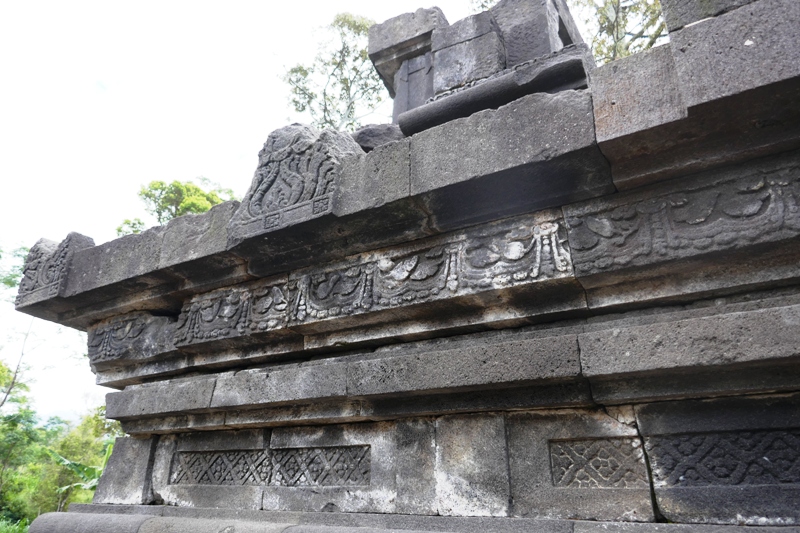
618	28
622	27
166	201
36	475
130	226
341	86
11	267
8	526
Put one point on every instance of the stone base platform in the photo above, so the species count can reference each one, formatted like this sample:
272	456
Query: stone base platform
162	519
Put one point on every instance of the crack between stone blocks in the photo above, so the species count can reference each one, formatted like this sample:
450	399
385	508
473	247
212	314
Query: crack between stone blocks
659	517
510	511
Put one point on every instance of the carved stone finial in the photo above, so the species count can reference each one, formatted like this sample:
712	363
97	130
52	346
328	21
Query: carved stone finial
296	176
45	268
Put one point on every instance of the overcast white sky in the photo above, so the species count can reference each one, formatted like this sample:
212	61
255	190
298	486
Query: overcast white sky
99	98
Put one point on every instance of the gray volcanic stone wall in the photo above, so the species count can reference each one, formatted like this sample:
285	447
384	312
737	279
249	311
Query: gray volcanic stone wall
551	297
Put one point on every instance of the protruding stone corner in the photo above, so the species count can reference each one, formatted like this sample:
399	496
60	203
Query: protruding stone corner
371	136
130	339
45	272
401	38
297	174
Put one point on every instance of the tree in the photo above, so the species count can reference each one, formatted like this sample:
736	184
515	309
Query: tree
618	28
622	27
11	269
341	86
166	201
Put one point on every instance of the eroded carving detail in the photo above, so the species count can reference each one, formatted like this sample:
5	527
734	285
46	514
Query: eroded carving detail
731	458
295	178
113	339
715	216
598	463
499	255
45	267
339	466
217	315
515	255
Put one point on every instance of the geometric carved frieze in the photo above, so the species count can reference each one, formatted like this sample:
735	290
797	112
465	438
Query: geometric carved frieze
338	466
520	251
598	463
751	204
726	458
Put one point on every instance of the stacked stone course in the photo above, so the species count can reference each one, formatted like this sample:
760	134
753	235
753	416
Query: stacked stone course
552	297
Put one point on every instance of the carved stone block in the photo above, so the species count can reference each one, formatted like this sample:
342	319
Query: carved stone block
297	172
749	47
530	29
469	61
44	274
471	466
679	13
129	339
401	38
620	238
126	477
694	356
728	461
536	152
577	465
384	285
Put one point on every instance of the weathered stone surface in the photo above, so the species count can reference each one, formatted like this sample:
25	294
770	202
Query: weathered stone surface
749	47
729	461
530	29
762	335
576	465
725	210
414	82
356	472
297	174
194	525
275	386
126	477
472	366
44	274
371	136
401	38
634	527
135	256
536	152
194	246
129	339
83	523
471	466
468	61
187	394
382	176
635	94
464	30
204	441
562	70
391	285
680	13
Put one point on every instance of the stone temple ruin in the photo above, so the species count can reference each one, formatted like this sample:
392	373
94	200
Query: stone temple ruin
552	298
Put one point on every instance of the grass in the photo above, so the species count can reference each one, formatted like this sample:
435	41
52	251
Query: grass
13	527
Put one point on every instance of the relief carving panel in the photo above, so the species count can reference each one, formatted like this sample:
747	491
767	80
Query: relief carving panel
46	268
760	204
524	250
598	463
339	466
295	179
726	458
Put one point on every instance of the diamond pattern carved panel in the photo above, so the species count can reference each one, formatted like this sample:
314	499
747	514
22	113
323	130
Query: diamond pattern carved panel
341	466
598	463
